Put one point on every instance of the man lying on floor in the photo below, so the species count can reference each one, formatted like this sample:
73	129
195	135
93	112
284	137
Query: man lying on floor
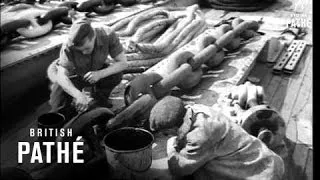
210	146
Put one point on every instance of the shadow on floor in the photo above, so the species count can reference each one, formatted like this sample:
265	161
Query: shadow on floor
15	112
298	163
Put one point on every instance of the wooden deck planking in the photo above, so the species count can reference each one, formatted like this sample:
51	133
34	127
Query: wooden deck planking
284	96
272	83
291	96
301	111
278	97
294	85
272	87
306	88
301	154
294	88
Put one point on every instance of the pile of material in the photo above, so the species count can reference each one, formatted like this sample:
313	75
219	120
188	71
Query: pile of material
152	35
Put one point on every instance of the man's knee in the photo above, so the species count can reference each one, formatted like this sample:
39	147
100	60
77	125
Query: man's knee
117	78
110	81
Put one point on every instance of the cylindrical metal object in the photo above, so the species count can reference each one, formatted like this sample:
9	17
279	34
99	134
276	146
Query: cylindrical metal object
47	121
128	151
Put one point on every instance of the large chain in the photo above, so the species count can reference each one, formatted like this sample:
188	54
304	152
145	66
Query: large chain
184	69
32	24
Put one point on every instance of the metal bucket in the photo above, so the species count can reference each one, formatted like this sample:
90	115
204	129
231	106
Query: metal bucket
128	151
50	120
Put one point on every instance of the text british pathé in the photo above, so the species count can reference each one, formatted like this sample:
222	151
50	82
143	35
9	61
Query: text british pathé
66	152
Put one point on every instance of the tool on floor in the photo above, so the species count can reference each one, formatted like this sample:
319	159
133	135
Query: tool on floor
274	49
255	116
261	120
289	60
290	34
291	65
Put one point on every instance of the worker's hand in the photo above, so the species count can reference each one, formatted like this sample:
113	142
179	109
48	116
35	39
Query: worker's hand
82	102
92	77
171	145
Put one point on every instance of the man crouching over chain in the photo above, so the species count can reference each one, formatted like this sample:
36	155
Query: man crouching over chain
84	67
210	146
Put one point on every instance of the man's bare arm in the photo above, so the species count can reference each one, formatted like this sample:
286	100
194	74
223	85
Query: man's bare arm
81	100
119	65
66	84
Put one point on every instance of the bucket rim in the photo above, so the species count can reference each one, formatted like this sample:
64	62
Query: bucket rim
61	115
128	151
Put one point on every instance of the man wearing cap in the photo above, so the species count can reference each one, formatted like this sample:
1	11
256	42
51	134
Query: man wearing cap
84	64
211	146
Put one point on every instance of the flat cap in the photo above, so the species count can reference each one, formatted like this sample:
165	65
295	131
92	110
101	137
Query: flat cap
167	113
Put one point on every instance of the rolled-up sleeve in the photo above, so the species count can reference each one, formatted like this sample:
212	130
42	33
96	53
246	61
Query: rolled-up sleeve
115	47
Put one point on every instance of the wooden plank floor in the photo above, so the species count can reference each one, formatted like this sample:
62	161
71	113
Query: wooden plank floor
291	95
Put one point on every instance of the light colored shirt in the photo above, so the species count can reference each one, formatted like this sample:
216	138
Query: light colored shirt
217	148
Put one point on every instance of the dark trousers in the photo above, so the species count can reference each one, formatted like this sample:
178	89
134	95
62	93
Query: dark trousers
61	102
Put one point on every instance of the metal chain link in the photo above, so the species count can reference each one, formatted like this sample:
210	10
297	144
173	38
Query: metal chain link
145	90
188	66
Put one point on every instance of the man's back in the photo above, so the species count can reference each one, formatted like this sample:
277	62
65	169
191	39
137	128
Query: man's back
221	149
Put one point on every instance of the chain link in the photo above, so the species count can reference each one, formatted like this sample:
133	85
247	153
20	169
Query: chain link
181	68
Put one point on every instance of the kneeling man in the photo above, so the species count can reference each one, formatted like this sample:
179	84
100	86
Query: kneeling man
210	146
